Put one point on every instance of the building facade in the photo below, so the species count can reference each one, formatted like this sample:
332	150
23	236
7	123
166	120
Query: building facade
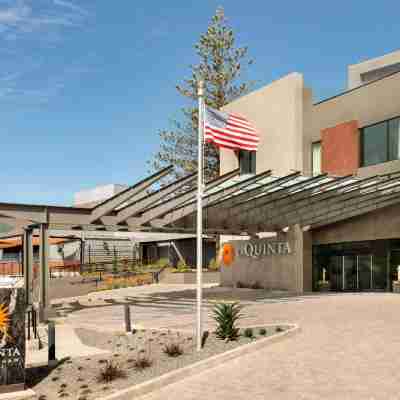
354	133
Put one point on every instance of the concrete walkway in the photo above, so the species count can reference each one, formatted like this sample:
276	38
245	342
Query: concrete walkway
67	345
348	349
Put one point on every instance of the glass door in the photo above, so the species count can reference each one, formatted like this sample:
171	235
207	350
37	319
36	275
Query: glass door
394	263
335	269
350	281
364	272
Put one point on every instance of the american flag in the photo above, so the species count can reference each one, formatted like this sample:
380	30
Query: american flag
229	130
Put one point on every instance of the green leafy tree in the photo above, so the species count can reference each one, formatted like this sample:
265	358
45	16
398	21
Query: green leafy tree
220	66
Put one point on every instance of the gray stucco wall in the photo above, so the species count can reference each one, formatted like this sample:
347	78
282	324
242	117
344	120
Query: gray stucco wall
380	224
277	110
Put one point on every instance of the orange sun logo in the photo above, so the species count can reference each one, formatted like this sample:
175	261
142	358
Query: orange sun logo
4	318
226	255
4	322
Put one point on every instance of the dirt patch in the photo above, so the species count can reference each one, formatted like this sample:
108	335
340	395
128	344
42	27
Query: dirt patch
79	378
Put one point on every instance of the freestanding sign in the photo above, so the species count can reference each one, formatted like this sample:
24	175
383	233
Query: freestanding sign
267	263
12	338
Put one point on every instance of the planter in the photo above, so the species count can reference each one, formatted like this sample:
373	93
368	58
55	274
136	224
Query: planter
324	286
189	277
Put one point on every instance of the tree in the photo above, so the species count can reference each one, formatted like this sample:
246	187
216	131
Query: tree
220	66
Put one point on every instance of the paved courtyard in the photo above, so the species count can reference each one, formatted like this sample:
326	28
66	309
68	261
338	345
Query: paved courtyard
347	348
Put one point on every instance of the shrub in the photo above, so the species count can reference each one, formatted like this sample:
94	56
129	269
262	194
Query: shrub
142	362
173	349
262	331
279	329
213	265
110	372
226	316
162	262
240	285
182	266
248	332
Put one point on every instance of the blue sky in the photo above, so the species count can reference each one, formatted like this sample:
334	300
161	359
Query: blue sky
86	85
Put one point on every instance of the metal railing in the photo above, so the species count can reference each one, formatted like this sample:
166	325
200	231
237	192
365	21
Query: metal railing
11	268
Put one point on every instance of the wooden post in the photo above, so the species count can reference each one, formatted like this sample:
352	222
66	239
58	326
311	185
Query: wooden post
52	343
128	326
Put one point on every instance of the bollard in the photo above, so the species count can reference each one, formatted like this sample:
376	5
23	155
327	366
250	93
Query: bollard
52	343
128	327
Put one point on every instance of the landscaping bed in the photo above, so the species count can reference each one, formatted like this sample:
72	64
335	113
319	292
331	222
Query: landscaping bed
81	378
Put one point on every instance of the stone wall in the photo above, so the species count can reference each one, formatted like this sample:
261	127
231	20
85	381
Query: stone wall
189	277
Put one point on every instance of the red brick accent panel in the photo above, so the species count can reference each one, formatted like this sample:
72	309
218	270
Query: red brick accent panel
341	149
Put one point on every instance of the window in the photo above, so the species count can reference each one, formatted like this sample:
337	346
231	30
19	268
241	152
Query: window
394	139
380	142
316	158
247	162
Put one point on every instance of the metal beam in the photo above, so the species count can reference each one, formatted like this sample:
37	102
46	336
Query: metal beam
384	202
181	199
295	211
368	192
151	199
128	194
28	264
243	213
361	202
44	303
299	213
212	198
277	208
254	193
32	213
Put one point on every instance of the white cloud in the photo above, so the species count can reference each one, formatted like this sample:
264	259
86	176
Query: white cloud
15	14
71	6
28	29
20	17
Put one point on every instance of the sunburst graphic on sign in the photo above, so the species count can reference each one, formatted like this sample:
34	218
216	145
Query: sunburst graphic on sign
5	324
226	255
4	318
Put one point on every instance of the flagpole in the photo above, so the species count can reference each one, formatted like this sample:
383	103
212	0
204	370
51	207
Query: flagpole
199	233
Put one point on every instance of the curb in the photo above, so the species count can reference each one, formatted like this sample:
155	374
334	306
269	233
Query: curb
200	366
27	394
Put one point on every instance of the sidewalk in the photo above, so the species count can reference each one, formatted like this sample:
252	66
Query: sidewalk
67	345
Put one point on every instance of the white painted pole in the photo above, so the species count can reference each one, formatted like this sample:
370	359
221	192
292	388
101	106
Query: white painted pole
199	236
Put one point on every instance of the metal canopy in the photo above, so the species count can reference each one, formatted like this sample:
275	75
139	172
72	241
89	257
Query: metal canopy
233	204
294	199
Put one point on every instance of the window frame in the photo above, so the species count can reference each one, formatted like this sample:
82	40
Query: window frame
252	161
312	156
362	140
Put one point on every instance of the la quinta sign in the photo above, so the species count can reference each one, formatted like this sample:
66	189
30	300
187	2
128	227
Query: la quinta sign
258	249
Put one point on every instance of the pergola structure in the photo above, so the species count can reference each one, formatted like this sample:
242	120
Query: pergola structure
233	204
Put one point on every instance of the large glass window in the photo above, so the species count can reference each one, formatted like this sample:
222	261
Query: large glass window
375	144
381	142
316	158
394	139
247	162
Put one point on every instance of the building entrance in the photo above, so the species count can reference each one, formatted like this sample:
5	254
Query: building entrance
351	272
353	266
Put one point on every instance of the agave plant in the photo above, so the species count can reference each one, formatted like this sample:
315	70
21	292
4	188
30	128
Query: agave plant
226	315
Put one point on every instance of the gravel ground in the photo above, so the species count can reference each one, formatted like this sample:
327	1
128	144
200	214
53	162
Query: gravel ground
77	378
